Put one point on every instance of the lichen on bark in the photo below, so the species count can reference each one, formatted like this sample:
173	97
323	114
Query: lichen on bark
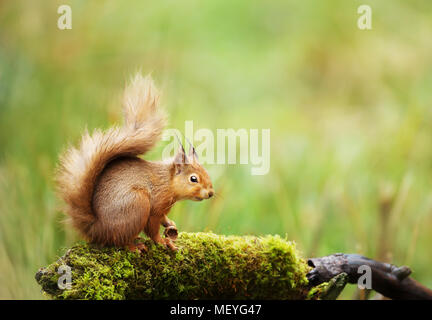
205	266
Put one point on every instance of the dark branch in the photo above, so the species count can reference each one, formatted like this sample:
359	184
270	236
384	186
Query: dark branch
387	279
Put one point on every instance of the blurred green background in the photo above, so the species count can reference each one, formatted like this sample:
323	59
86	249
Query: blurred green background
349	112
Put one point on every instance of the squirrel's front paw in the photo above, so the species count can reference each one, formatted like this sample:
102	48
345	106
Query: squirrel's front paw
171	232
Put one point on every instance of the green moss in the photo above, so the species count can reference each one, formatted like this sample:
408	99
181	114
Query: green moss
329	290
317	292
206	266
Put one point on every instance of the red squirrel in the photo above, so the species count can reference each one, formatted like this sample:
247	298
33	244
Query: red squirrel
111	194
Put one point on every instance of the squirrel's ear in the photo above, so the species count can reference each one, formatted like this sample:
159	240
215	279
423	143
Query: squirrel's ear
192	152
180	160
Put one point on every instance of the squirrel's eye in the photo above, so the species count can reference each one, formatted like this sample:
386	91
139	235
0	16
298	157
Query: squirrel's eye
193	179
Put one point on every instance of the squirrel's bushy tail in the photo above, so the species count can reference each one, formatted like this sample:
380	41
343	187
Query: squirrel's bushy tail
80	167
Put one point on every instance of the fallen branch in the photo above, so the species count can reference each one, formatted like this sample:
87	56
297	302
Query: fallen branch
387	279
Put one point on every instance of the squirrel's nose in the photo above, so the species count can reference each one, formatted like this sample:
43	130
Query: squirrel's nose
210	194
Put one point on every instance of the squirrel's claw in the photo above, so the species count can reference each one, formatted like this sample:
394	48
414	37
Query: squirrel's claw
171	232
170	245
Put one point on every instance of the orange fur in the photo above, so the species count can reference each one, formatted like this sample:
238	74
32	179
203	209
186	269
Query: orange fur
111	195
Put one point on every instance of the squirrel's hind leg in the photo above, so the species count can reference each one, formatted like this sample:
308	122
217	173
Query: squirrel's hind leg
141	205
120	221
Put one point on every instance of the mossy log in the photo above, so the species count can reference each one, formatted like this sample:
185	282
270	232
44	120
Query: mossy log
205	266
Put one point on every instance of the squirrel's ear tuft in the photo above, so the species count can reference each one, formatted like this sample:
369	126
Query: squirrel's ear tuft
192	152
180	160
180	157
